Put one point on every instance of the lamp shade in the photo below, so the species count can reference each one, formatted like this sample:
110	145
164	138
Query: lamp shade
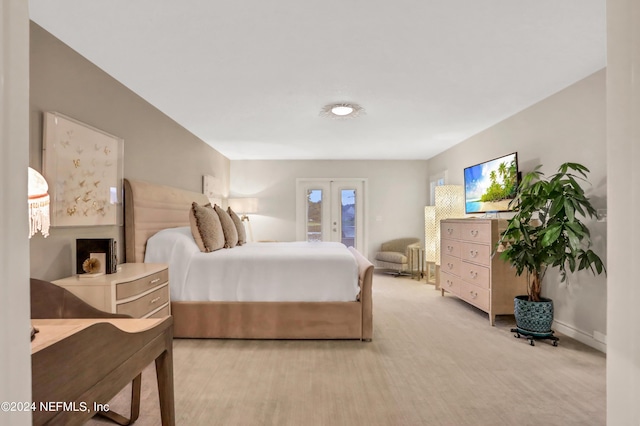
38	199
244	205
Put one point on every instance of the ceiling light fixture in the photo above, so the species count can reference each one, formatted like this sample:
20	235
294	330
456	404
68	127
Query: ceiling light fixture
342	110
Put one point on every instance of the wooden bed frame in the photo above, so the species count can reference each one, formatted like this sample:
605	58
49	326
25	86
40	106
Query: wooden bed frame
149	208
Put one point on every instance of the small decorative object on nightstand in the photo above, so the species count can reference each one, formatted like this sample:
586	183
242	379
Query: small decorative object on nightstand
102	249
138	289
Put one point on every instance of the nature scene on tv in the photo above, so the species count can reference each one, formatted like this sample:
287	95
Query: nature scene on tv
490	186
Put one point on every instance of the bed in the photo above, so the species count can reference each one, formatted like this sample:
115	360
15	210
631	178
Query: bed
151	208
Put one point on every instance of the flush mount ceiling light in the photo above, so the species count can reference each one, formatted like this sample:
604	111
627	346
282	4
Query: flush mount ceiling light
342	110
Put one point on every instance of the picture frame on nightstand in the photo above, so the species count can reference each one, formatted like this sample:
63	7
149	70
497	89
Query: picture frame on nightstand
103	249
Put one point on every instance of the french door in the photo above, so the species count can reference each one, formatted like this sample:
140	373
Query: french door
331	210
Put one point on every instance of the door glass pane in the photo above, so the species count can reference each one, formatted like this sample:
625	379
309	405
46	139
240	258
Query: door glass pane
348	217
314	215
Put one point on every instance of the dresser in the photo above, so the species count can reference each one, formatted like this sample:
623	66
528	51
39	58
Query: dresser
469	271
137	289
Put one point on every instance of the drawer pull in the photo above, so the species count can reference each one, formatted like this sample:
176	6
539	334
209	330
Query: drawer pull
450	265
473	253
473	274
449	249
155	280
154	300
449	231
473	295
449	283
474	232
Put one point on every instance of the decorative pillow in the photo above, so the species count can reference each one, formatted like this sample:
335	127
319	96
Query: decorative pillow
206	228
242	235
228	227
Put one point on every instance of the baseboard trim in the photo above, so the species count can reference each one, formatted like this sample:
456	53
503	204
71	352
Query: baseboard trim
579	335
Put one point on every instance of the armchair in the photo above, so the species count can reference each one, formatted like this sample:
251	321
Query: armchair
393	255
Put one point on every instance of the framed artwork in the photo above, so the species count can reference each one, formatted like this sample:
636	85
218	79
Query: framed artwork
212	188
83	167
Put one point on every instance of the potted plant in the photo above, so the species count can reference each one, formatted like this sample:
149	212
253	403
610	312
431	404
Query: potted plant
546	231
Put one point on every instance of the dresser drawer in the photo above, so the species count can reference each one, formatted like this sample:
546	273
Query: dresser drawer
450	283
476	253
477	232
140	307
135	287
450	265
164	312
475	295
475	274
451	247
450	230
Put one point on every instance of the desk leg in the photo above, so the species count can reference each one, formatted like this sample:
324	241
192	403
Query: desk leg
164	373
135	405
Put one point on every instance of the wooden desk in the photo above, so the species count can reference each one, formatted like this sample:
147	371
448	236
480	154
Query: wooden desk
77	363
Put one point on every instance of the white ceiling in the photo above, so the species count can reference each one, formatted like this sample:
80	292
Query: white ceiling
251	77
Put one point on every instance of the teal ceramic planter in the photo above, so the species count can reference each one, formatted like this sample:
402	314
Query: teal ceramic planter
533	318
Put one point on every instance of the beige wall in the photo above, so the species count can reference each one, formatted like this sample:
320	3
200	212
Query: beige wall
156	149
397	194
568	126
623	157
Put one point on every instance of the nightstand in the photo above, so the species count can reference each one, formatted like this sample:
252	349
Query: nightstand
137	289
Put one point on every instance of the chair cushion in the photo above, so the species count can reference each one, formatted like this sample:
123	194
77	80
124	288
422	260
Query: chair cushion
400	245
391	257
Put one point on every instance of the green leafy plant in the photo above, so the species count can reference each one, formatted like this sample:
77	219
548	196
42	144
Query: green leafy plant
546	230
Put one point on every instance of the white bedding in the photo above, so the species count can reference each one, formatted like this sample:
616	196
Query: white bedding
256	272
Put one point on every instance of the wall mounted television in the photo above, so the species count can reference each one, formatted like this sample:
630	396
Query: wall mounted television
489	187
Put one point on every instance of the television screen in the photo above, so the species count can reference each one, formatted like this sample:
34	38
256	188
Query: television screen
490	186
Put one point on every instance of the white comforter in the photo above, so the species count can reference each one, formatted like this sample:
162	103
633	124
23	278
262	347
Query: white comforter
257	272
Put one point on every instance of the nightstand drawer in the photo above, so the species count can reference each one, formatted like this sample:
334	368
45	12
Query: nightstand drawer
164	312
140	307
135	287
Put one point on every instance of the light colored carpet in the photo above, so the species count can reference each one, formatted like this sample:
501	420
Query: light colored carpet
433	361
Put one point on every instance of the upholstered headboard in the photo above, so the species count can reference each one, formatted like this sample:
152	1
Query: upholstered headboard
149	208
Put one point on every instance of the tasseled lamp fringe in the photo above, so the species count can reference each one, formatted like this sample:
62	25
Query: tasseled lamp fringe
39	216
